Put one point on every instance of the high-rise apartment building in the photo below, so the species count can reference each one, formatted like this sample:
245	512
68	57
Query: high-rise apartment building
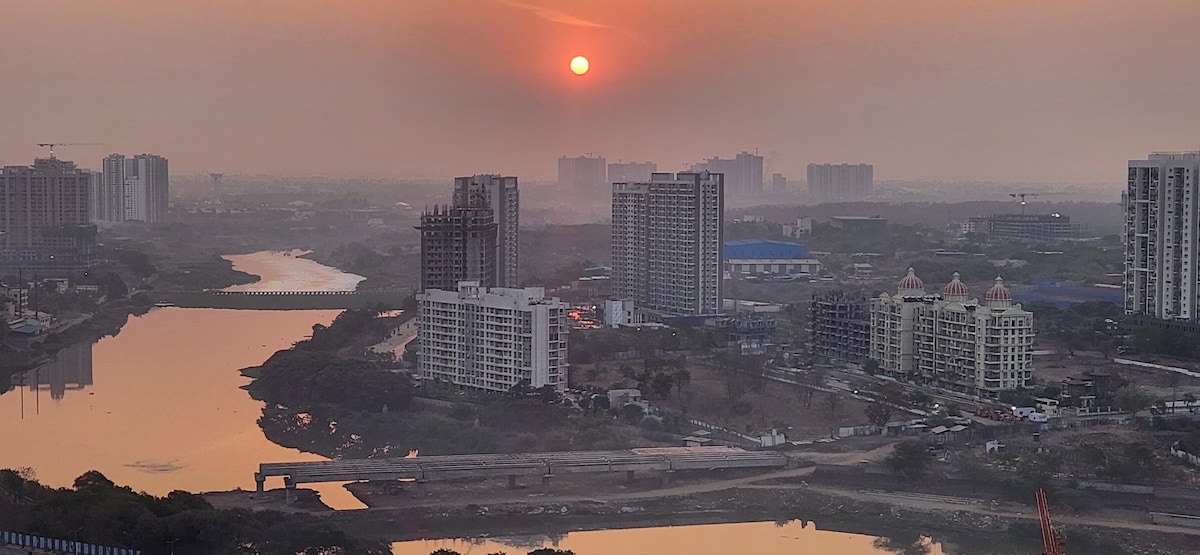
501	195
45	218
1161	238
667	243
582	172
952	341
631	171
492	339
743	173
840	181
136	188
458	243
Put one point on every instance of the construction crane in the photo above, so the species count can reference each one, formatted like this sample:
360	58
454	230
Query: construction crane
1053	542
1022	197
52	145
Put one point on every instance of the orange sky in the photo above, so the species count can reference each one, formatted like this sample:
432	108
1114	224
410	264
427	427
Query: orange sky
1030	90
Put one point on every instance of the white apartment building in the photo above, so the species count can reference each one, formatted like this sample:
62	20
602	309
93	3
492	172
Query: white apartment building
667	244
1161	238
135	188
492	339
952	341
501	195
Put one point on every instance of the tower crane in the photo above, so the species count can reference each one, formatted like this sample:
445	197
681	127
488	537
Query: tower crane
52	145
1053	542
1022	197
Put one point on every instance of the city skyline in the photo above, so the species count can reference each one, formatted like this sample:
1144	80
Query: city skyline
936	91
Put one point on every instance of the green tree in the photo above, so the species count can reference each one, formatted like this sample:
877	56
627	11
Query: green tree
909	458
1133	399
871	366
878	414
661	384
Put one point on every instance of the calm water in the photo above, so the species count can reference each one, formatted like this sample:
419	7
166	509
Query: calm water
159	407
757	538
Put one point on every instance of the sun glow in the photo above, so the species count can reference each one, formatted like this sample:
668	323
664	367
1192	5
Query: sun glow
579	65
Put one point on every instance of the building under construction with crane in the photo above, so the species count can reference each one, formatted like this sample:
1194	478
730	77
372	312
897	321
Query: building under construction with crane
1026	228
45	220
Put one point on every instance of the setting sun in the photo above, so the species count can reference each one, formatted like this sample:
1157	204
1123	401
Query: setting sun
579	65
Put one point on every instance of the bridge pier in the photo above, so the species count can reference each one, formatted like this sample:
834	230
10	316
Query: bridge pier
290	490
546	480
667	477
258	485
512	481
628	475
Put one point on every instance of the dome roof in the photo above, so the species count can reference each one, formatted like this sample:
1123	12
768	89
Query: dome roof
955	288
999	292
910	281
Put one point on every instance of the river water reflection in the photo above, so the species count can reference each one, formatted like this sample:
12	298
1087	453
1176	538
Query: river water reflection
159	406
757	538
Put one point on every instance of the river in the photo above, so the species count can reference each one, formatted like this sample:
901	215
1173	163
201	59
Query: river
759	538
158	407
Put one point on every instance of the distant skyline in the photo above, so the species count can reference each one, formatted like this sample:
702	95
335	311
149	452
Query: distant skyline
988	90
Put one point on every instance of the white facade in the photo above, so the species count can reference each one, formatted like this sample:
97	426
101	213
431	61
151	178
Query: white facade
773	266
1161	237
952	341
135	188
492	339
667	243
501	194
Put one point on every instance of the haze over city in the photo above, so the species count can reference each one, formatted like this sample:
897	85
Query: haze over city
599	277
941	89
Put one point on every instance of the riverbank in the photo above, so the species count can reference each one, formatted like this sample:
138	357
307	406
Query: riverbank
977	525
901	522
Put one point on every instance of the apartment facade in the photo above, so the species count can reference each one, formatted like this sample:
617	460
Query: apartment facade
458	244
743	173
1161	238
840	181
132	189
492	339
952	341
45	218
666	243
631	171
582	172
502	195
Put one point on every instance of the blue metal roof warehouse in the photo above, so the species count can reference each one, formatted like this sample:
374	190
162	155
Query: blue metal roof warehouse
757	249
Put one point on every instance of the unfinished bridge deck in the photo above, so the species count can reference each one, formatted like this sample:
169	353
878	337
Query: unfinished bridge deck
448	467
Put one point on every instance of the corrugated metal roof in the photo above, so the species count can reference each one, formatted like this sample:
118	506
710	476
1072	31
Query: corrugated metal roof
751	249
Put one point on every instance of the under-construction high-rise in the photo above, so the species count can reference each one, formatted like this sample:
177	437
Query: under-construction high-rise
458	243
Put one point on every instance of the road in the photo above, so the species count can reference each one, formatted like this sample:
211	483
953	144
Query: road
399	338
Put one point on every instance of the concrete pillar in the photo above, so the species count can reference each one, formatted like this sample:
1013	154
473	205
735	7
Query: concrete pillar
258	485
629	475
667	476
546	479
512	481
290	490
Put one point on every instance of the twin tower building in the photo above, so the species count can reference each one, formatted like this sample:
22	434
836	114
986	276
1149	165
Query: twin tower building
477	328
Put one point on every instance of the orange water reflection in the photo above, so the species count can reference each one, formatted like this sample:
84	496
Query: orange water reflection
759	538
164	411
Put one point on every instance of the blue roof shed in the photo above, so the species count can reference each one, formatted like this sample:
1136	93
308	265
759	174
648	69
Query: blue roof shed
758	249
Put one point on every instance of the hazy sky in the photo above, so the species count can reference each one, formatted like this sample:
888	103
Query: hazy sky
1024	90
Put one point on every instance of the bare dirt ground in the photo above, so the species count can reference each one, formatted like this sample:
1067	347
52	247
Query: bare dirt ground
707	397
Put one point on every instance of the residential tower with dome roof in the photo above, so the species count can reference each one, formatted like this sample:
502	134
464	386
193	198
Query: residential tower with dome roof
952	341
